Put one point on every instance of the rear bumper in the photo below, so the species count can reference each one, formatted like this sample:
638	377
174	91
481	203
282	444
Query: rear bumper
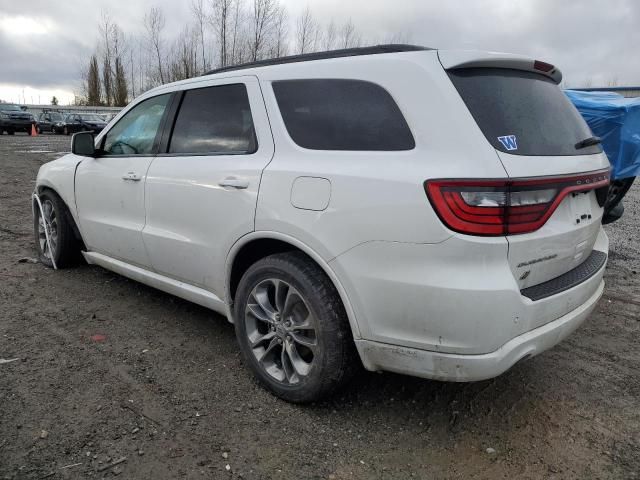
467	368
454	310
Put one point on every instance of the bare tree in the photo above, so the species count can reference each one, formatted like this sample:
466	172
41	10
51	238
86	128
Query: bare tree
119	89
183	62
305	31
106	32
132	71
220	22
349	37
330	35
280	33
154	22
199	12
399	37
236	53
262	20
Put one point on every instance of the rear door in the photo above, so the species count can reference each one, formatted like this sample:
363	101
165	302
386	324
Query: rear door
536	132
201	193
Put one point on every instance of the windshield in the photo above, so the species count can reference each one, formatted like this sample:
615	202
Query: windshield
11	108
91	118
522	113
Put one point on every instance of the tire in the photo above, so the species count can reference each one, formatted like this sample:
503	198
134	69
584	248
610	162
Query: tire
299	361
10	132
66	131
617	190
66	247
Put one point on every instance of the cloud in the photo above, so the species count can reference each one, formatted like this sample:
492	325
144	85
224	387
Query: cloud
587	39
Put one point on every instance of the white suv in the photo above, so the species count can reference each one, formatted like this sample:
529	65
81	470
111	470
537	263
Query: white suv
433	213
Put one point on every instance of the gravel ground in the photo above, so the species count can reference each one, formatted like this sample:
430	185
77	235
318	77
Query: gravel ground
165	389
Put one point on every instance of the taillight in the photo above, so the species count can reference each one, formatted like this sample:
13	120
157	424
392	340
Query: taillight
543	66
505	207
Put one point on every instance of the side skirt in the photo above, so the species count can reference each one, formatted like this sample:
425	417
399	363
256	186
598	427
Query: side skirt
174	287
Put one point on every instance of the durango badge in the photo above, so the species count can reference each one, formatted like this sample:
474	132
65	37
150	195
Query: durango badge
509	142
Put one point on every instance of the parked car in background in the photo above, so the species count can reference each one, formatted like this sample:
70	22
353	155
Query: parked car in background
428	212
49	120
14	119
83	122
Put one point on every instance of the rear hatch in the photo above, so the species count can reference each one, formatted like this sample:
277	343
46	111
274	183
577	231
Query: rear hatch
537	135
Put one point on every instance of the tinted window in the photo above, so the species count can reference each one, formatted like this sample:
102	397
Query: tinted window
214	120
135	133
333	114
527	108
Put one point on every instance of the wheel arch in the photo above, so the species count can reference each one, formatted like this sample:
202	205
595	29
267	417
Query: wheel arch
46	186
257	245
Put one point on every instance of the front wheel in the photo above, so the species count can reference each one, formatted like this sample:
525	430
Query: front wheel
292	328
62	245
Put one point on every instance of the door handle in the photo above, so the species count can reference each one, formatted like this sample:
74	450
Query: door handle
132	177
233	182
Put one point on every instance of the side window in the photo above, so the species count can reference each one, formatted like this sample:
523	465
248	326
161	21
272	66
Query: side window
215	120
135	133
334	114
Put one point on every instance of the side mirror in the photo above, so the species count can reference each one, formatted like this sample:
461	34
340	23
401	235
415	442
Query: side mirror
82	144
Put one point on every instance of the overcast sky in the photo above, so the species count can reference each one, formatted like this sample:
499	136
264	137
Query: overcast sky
43	43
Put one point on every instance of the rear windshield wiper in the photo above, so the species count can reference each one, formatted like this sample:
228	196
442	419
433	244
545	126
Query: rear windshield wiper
588	142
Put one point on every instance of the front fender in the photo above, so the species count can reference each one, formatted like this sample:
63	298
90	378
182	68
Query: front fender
59	176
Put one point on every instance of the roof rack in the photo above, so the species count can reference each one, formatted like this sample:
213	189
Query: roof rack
307	57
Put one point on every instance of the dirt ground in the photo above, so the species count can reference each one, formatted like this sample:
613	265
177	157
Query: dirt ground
165	389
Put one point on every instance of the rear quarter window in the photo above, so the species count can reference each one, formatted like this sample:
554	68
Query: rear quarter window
522	113
336	114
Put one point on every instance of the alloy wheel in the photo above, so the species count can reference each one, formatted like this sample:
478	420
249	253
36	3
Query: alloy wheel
281	330
48	220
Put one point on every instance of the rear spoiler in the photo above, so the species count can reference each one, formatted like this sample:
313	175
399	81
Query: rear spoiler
453	59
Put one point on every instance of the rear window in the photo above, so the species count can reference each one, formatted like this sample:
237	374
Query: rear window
333	114
522	113
214	120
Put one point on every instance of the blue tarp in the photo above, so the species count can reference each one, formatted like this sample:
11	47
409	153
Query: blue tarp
616	120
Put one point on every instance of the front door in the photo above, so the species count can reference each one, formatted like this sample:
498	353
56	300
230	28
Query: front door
110	187
201	193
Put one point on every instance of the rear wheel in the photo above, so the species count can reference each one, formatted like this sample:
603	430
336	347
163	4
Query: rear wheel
62	245
10	132
66	130
292	328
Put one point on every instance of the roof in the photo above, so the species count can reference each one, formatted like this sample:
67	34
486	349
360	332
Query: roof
307	57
